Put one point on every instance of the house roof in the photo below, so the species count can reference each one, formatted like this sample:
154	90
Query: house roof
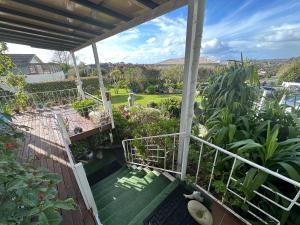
74	24
23	59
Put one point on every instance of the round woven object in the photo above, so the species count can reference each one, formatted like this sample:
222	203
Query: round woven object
200	213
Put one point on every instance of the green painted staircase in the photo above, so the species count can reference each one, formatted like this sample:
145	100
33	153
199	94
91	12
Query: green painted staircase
129	195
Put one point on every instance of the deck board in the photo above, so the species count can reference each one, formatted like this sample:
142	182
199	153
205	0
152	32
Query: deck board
43	144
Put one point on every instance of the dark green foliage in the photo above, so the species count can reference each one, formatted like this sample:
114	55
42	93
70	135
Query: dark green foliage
171	107
89	84
28	195
83	106
162	126
289	72
79	149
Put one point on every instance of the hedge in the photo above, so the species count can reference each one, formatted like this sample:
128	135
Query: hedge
89	84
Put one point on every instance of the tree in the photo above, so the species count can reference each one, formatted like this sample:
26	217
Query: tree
289	72
15	82
134	78
117	76
172	74
63	59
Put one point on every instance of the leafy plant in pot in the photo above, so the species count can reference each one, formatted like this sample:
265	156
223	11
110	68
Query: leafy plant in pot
83	107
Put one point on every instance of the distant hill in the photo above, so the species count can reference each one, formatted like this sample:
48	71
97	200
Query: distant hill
180	61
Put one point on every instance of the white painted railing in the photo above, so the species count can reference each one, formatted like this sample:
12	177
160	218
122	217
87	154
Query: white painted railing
78	171
158	152
58	101
204	157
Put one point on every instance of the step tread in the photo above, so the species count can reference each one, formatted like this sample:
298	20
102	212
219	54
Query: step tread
105	189
121	186
138	200
125	191
111	178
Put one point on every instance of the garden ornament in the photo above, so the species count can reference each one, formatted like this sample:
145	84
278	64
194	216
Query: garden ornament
196	195
78	130
200	213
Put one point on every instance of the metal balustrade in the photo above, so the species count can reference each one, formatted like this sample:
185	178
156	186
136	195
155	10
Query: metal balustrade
157	152
204	158
49	103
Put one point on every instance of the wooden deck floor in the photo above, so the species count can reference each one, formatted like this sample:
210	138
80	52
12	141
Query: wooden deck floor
42	143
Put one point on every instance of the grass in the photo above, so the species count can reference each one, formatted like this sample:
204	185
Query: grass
141	99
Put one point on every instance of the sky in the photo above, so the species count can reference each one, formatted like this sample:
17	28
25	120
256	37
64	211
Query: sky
261	29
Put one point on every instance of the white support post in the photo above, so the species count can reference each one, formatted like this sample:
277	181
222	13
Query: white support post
100	78
196	10
78	80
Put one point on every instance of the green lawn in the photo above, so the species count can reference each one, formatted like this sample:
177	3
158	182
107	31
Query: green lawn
141	99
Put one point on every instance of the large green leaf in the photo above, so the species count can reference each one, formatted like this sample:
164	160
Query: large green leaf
291	171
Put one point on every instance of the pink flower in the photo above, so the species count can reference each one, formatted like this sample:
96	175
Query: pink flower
9	145
41	196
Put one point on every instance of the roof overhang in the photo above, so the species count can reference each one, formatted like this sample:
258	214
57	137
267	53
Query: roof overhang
69	25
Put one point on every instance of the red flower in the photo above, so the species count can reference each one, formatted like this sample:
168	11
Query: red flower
9	145
41	196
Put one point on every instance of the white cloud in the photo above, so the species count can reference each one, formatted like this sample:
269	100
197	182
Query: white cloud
151	40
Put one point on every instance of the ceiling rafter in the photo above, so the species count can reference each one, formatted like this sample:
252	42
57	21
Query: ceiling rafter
41	44
41	28
34	38
102	9
49	21
146	3
40	33
70	15
21	33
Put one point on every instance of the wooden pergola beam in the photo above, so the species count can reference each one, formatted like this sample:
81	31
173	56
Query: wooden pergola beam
55	11
15	22
41	44
5	33
148	4
39	33
48	21
102	9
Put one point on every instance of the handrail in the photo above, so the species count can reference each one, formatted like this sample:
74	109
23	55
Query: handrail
264	169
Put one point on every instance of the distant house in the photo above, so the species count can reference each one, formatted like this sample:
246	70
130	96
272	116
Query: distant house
34	70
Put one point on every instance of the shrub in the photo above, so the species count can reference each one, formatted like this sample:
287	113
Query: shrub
152	104
89	84
160	126
171	107
79	149
83	106
28	195
141	115
289	72
151	89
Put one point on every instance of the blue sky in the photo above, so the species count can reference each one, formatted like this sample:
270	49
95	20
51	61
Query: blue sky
260	28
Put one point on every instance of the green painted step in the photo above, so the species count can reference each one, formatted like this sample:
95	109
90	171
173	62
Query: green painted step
129	204
118	184
126	193
139	218
122	186
111	178
104	189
